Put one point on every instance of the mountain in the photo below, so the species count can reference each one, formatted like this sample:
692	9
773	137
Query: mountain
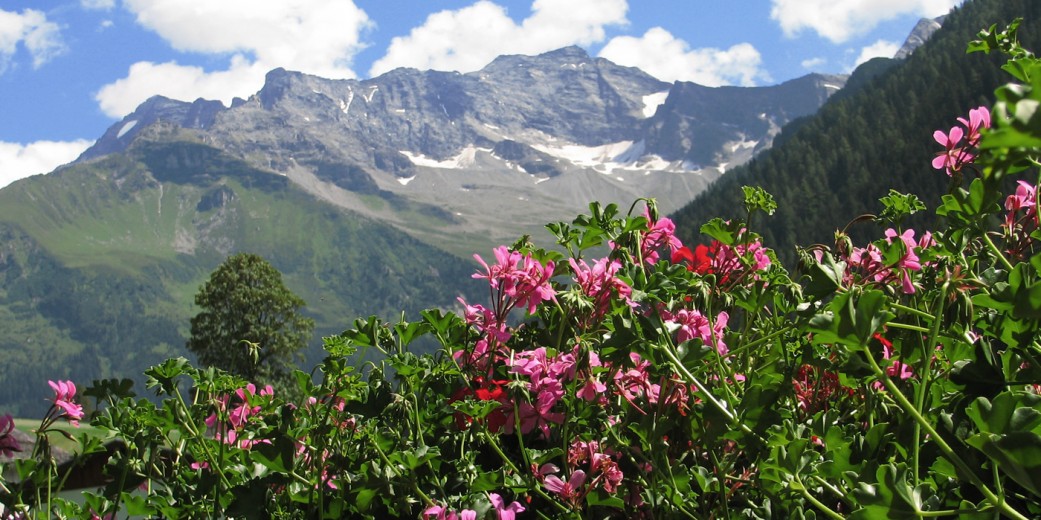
920	34
877	134
369	196
99	261
461	160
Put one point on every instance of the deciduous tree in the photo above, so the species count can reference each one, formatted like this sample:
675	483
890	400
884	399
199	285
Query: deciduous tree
249	323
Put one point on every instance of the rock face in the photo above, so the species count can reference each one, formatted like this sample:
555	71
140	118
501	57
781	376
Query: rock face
482	150
919	35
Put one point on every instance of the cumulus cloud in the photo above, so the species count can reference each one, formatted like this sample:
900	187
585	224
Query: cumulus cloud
40	37
18	161
146	79
879	49
840	20
467	39
314	36
668	58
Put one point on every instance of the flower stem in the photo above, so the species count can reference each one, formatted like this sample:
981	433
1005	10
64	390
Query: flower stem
997	252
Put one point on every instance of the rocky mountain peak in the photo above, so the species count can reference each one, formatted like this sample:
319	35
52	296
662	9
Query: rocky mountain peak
921	32
199	114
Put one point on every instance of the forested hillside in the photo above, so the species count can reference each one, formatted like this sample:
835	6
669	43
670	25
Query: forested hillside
828	169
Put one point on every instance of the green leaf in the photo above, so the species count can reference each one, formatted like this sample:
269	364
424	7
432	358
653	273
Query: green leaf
137	505
276	456
407	332
891	497
1017	454
825	277
720	230
363	498
600	498
898	206
757	199
851	320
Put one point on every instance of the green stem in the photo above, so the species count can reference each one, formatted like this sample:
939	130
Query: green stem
731	419
386	461
760	341
949	512
923	388
997	252
829	512
963	467
905	326
835	491
912	310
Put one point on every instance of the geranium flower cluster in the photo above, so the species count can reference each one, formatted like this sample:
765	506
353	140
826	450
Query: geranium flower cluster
519	279
1022	218
959	143
661	233
237	415
514	280
726	262
64	404
8	442
869	264
601	472
695	325
503	511
601	284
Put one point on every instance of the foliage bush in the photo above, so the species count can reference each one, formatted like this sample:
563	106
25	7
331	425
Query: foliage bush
895	379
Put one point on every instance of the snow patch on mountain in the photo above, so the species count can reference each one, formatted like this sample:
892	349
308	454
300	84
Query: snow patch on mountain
651	102
623	155
465	159
126	128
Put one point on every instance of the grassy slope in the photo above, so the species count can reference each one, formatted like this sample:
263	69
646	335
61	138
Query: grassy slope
101	262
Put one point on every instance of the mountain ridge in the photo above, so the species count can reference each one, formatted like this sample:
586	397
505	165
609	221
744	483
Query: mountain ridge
556	130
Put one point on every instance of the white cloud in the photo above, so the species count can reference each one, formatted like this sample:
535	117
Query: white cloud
314	36
40	37
813	63
467	39
668	58
879	49
146	79
840	20
98	4
18	161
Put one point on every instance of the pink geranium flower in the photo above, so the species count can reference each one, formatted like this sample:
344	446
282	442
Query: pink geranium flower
64	392
601	284
908	262
979	118
693	324
8	443
955	154
660	233
443	513
503	511
1025	198
569	491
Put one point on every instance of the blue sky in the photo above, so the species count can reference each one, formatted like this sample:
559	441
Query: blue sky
69	69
